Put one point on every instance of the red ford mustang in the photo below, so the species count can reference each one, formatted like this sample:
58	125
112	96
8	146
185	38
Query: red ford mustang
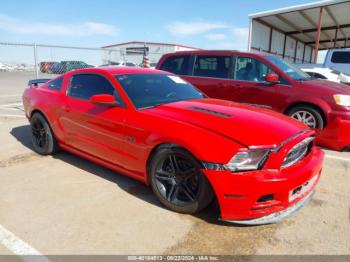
153	126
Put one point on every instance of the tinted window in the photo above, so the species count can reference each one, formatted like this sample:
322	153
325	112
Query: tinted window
86	85
341	58
212	66
176	64
56	84
149	90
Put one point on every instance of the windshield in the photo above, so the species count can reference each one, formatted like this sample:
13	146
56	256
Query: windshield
293	71
149	90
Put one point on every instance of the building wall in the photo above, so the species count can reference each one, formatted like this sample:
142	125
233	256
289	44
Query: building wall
260	42
119	52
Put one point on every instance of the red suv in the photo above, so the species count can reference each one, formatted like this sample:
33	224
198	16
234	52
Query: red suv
268	81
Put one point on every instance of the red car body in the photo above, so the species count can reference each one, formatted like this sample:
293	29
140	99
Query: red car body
281	97
123	139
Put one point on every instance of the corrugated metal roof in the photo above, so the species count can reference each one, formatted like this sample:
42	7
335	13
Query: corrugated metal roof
148	43
300	22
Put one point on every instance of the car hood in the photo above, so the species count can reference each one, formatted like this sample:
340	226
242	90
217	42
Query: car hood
247	125
327	86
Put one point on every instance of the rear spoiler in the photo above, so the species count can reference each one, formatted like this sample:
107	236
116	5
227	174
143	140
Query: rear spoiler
36	82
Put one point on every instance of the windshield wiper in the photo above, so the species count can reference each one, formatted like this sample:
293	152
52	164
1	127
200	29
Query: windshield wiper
148	107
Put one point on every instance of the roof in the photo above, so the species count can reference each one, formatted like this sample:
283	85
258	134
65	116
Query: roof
148	43
300	22
209	51
120	70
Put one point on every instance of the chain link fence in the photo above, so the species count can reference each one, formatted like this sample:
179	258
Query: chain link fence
46	61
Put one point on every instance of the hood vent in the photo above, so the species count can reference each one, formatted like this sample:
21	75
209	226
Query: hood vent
208	111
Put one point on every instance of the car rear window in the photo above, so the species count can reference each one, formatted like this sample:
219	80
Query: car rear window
341	58
178	65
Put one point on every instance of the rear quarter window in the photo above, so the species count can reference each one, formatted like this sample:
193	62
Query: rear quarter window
178	65
55	84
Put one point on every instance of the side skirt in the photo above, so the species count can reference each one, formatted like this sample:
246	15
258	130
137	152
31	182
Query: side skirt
104	163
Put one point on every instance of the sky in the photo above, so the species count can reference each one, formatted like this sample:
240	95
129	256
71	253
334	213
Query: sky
220	24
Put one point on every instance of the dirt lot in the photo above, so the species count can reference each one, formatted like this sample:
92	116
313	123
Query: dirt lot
63	204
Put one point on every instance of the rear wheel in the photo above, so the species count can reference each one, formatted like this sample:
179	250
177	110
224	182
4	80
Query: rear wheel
308	115
178	182
43	140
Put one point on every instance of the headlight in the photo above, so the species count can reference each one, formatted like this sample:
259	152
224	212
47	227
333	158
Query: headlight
342	100
247	160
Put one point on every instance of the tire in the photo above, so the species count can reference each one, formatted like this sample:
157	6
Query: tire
177	181
43	140
308	115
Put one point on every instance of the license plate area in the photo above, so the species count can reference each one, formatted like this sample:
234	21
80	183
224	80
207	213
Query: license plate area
302	189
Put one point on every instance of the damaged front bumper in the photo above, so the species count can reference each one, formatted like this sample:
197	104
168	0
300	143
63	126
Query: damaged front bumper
275	217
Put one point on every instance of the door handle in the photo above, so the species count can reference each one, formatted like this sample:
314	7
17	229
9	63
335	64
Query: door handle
67	108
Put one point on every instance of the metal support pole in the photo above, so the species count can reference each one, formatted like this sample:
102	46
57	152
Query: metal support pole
270	40
284	46
335	38
250	34
310	56
318	35
36	63
295	51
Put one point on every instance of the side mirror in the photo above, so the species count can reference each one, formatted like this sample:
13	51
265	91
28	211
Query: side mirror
104	99
272	78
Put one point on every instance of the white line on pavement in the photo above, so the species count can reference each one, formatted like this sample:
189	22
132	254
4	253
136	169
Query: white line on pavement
11	95
12	104
19	247
338	158
9	115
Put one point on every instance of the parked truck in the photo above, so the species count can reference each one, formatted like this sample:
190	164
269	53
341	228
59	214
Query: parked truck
336	59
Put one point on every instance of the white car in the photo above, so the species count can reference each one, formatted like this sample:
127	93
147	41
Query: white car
327	73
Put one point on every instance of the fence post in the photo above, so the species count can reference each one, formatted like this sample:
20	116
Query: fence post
35	63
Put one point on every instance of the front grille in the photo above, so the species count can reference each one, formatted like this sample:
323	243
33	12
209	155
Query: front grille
298	152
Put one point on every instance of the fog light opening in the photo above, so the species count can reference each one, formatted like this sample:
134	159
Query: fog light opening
266	198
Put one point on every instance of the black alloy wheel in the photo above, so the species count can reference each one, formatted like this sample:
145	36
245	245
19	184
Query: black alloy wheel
43	140
178	182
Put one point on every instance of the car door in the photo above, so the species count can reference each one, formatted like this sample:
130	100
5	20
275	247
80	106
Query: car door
211	75
250	85
96	129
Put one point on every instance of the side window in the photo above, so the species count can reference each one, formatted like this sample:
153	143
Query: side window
250	69
212	66
316	75
176	64
56	84
84	86
341	58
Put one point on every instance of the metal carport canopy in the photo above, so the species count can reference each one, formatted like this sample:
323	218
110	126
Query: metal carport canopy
318	26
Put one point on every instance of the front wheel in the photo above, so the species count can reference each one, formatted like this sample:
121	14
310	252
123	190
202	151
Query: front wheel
178	182
307	115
